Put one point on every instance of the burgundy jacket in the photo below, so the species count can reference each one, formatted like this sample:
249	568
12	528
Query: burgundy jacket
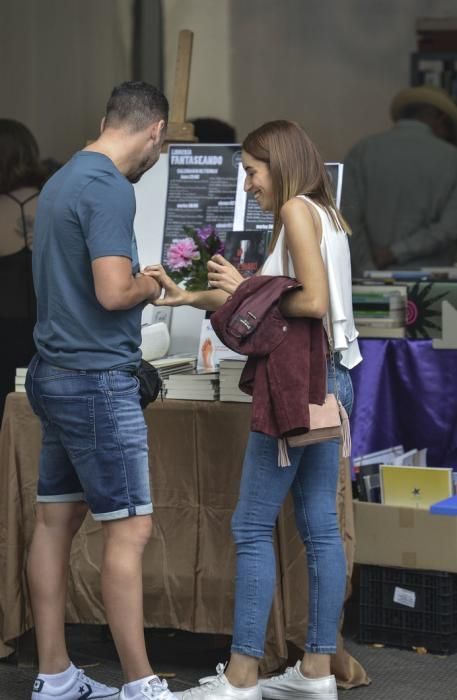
286	368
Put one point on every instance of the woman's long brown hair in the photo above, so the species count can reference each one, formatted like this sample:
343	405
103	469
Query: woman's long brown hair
295	167
19	158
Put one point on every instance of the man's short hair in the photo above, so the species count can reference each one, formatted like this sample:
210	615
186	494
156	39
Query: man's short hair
135	105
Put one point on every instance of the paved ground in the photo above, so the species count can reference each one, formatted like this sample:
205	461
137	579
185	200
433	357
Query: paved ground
182	658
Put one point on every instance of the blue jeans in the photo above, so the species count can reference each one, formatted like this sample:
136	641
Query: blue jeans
95	445
313	478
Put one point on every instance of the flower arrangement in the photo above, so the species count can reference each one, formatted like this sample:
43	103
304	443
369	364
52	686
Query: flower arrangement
187	257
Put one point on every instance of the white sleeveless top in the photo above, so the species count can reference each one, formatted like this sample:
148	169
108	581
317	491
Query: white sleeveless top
337	260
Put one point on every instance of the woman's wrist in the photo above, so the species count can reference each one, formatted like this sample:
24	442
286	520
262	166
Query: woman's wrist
206	300
188	298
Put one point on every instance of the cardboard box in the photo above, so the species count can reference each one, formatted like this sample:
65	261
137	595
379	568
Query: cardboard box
406	537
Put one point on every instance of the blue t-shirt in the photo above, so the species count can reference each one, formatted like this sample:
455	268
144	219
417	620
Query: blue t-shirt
85	211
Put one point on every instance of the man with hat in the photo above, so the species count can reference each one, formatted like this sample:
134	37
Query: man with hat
400	186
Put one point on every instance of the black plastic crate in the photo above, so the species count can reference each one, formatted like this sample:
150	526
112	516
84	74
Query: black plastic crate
427	617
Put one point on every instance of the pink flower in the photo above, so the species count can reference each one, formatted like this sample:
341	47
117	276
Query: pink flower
181	253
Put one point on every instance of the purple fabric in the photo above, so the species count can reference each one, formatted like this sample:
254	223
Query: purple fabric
405	392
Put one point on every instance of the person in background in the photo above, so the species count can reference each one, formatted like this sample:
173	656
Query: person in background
286	175
51	165
82	383
21	178
400	186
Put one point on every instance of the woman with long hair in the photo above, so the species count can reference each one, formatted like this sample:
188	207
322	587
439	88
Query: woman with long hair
21	178
286	175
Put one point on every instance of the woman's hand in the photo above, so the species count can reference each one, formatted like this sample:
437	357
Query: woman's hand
223	275
174	295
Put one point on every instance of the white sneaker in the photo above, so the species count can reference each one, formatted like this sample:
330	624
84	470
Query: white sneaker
292	685
80	687
152	687
219	687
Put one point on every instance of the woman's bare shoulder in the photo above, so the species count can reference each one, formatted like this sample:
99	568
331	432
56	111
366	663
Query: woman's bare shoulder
295	205
297	211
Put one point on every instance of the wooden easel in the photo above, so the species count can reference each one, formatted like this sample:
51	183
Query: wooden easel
178	129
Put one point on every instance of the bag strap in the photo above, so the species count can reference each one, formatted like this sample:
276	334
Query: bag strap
285	257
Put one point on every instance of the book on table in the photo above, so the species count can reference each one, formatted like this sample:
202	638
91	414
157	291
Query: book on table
199	385
230	371
380	310
381	331
19	379
174	364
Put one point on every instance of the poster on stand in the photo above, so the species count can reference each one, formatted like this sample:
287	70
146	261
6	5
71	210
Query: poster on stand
248	215
201	189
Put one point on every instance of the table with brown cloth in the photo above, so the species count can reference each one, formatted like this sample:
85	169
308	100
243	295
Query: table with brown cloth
196	453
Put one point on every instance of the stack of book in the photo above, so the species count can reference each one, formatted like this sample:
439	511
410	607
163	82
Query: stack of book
229	378
174	364
19	381
380	310
196	386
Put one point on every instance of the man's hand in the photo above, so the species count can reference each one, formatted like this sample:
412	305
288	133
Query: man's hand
116	288
383	257
156	289
223	275
174	295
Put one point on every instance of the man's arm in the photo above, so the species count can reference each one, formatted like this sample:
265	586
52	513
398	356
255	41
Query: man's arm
352	208
430	238
115	286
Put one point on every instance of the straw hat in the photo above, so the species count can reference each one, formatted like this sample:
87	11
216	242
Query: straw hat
425	94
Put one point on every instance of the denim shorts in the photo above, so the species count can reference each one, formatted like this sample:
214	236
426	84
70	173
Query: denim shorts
95	445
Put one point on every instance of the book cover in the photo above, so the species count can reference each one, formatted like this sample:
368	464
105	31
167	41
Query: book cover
246	250
414	487
211	350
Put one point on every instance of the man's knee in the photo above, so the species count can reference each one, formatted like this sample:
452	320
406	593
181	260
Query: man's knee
66	517
134	531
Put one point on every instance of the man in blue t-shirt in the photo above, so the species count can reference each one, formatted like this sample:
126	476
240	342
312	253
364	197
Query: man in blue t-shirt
83	386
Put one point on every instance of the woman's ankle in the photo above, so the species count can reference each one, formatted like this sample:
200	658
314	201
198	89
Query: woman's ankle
315	665
242	671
